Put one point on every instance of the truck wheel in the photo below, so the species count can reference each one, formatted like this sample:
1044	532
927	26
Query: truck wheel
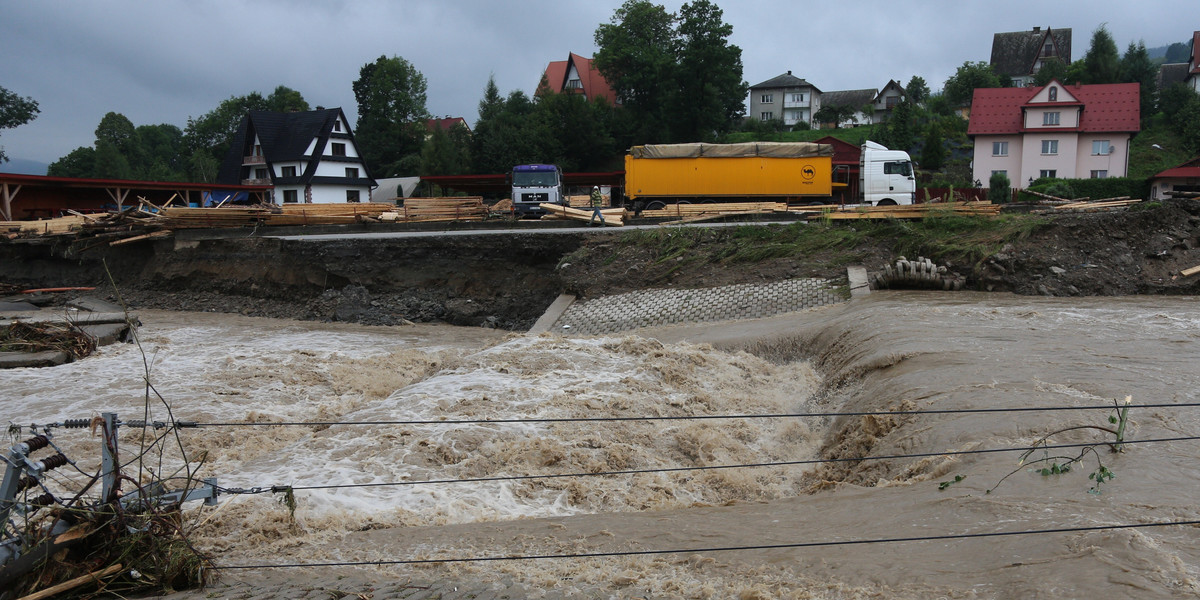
886	202
656	205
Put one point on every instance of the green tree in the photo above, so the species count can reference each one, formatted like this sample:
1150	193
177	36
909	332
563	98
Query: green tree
1136	67
1053	68
391	116
961	86
509	136
14	112
901	132
933	153
637	56
1102	63
81	162
117	131
1173	99
579	138
285	99
1178	52
212	133
999	188
917	91
709	90
836	114
445	153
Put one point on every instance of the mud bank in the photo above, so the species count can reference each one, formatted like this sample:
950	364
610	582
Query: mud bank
499	281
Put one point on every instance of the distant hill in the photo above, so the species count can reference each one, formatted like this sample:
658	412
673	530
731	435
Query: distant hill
24	166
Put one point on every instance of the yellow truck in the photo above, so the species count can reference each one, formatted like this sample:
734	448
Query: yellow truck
797	172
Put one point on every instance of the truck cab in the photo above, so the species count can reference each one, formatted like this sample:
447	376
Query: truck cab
886	177
533	185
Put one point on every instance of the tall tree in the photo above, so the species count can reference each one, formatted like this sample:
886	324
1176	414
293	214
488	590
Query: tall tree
917	91
1052	68
445	153
1102	63
709	90
960	87
836	114
1136	67
579	139
391	116
637	58
510	135
933	153
15	111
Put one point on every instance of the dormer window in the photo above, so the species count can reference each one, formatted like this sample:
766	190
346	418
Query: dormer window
1053	93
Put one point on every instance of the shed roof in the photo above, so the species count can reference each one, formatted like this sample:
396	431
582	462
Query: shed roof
1187	170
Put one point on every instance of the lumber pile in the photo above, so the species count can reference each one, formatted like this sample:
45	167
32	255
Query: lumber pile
1096	205
462	208
913	211
695	212
503	207
199	218
46	226
328	214
613	217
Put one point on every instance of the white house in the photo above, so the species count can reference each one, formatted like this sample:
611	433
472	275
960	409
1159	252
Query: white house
785	98
1065	131
309	156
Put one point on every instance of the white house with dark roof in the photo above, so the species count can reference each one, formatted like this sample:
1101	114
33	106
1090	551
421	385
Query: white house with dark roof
1056	130
309	156
785	98
1019	55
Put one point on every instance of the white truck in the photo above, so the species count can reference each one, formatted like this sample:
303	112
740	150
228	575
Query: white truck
533	185
885	177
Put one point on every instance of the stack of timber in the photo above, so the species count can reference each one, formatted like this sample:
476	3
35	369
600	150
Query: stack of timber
60	225
201	218
1104	204
911	211
329	214
1050	200
502	208
422	210
1179	194
691	213
613	217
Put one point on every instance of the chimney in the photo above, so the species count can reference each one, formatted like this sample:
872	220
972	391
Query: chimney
1037	29
789	72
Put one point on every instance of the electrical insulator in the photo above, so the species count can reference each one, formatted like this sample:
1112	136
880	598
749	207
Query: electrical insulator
54	462
77	423
43	500
26	482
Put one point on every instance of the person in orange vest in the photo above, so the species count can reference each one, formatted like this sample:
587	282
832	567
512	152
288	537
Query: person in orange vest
597	204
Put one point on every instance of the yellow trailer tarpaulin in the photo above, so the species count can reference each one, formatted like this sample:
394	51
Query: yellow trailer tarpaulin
722	171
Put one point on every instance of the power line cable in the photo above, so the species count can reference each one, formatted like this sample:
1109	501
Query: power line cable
892	540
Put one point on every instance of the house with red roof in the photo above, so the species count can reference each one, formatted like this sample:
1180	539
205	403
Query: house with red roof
1056	130
576	75
1185	178
446	124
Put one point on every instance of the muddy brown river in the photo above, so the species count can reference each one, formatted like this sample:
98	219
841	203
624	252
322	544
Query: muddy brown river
808	529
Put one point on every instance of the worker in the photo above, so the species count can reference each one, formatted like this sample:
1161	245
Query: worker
597	204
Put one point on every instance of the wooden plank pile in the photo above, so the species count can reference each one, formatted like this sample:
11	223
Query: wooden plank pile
200	218
1103	204
68	224
613	217
503	207
912	211
422	210
329	214
689	213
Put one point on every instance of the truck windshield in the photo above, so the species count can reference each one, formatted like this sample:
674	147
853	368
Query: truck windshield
897	168
534	179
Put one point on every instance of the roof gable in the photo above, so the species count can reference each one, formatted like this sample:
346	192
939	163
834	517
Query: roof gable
1053	92
1017	52
284	137
592	84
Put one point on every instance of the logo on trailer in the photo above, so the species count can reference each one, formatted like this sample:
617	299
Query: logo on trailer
808	172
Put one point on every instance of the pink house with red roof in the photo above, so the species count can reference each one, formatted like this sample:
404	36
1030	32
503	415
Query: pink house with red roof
576	75
1064	131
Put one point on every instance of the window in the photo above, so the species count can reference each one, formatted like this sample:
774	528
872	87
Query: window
1049	146
1001	172
1050	118
1101	147
767	98
337	125
257	150
1053	93
351	195
289	171
897	168
999	148
767	116
338	149
797	97
260	173
1050	173
1100	174
289	196
352	173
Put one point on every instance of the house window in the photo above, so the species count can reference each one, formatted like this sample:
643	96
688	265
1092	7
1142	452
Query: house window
1048	49
351	173
338	149
797	97
1050	118
767	116
1101	147
289	196
574	84
767	98
337	125
1053	93
1048	173
999	148
351	195
1001	172
1049	146
289	171
1100	174
257	150
260	173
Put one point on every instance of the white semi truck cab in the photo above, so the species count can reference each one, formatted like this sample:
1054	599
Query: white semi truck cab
533	185
886	177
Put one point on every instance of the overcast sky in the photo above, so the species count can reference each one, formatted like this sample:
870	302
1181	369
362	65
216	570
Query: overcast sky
168	60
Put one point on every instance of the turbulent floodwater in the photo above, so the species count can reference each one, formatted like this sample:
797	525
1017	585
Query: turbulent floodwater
891	351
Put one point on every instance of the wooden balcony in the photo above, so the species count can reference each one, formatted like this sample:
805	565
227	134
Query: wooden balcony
254	160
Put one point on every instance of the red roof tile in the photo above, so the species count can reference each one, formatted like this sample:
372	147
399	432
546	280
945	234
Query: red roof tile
594	84
1187	170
